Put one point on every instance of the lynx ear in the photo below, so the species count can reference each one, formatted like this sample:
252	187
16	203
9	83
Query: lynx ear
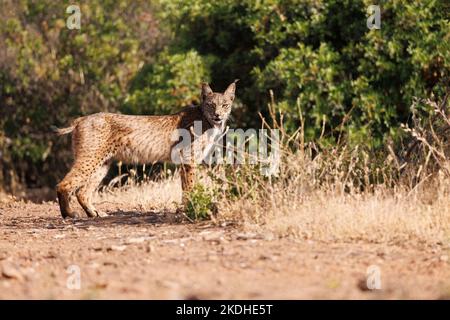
206	90
231	89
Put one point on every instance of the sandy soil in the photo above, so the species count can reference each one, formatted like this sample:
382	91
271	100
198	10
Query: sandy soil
159	255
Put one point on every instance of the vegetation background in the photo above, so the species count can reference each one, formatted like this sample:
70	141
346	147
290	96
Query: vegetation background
347	84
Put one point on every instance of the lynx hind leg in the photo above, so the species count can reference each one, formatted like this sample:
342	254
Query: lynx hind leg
88	142
86	192
65	190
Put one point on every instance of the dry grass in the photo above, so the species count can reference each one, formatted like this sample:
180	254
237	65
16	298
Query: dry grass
378	217
385	215
164	194
349	194
328	199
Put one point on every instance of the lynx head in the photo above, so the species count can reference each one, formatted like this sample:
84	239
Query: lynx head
217	106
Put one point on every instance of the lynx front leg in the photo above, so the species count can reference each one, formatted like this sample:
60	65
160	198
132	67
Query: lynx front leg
187	179
85	193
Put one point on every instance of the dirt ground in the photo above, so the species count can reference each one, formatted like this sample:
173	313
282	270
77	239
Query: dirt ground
159	255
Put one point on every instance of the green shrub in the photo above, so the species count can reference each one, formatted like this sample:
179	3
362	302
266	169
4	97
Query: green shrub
50	75
200	203
169	83
322	54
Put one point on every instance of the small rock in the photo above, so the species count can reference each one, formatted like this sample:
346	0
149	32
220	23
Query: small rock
117	248
3	255
362	284
137	240
110	263
94	265
267	257
11	271
212	236
51	255
443	258
247	236
101	285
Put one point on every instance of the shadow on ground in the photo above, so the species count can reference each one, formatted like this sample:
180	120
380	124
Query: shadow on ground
114	218
132	218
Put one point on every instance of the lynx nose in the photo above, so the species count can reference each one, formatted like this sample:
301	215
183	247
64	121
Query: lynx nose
217	117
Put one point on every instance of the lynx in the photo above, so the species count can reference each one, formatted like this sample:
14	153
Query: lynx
101	138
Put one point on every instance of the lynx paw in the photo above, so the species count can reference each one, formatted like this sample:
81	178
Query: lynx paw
101	214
